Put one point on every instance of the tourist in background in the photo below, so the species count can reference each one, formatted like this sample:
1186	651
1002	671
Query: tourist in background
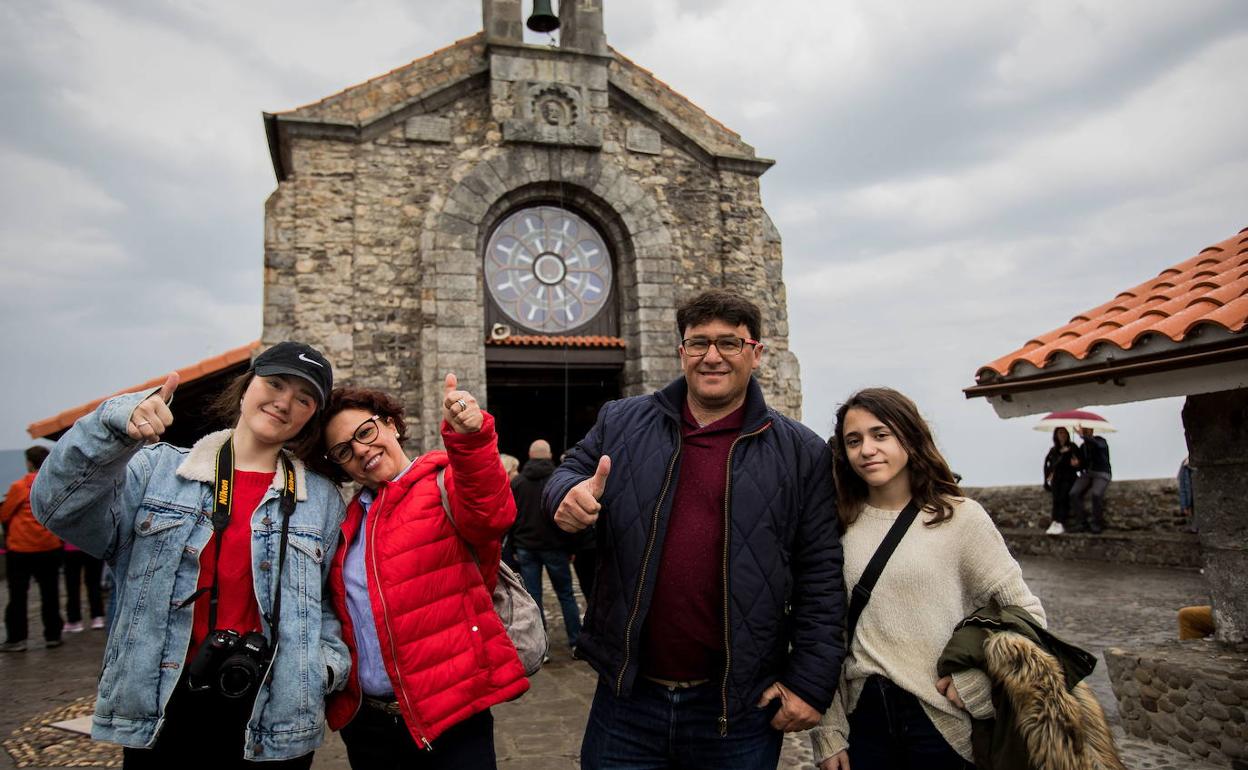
540	545
1094	478
1187	495
1060	471
891	710
512	465
429	654
205	667
31	552
80	566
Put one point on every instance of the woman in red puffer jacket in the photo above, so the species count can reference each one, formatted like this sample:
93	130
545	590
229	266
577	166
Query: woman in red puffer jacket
429	656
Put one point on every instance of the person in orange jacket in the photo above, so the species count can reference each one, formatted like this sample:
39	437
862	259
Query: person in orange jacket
32	552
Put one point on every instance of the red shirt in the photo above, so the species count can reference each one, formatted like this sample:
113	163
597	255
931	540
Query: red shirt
683	637
236	608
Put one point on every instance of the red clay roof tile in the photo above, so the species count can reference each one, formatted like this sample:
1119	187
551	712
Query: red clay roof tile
557	341
1208	288
195	371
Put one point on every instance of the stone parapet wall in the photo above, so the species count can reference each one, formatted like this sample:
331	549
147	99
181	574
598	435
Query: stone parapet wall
1192	696
1157	549
1149	505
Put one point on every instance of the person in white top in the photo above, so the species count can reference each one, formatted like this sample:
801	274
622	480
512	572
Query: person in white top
891	711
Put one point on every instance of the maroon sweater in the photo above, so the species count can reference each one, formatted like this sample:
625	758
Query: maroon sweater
683	637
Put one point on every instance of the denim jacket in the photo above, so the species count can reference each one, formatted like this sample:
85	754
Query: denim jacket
147	510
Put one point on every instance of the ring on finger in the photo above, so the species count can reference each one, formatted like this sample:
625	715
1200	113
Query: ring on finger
463	405
141	424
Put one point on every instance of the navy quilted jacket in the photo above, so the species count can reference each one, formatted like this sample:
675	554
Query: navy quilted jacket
785	602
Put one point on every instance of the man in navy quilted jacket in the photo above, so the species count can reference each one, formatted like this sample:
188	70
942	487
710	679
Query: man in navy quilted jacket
716	622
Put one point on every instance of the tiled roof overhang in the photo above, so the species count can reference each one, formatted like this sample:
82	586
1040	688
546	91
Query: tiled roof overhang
187	374
1191	317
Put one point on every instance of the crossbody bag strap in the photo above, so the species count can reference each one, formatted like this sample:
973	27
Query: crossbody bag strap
862	591
446	506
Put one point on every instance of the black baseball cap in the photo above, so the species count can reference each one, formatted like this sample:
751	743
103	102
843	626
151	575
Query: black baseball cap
297	360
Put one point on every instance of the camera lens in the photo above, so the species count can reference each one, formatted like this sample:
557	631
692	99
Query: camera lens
235	681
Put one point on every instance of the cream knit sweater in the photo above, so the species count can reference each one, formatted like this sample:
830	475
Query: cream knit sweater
936	577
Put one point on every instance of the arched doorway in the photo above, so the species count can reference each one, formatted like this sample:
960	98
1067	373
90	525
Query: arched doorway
553	353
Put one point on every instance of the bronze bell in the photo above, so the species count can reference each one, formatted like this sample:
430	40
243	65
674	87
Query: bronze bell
542	20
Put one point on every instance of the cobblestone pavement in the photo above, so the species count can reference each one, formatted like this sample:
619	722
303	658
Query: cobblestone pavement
1093	604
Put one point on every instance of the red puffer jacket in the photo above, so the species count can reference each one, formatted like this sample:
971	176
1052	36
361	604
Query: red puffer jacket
445	650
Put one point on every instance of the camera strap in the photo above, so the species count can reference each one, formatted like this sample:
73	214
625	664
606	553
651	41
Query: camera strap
222	508
287	508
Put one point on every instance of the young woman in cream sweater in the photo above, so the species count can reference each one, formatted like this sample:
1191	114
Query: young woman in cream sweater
891	710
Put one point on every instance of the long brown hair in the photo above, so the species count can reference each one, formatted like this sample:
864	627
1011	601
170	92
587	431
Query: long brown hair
932	484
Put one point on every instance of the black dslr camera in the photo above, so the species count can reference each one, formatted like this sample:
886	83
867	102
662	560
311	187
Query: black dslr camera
230	663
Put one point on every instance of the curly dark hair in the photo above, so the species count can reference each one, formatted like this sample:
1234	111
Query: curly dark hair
720	305
341	399
932	483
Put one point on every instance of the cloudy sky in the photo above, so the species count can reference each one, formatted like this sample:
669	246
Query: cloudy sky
953	178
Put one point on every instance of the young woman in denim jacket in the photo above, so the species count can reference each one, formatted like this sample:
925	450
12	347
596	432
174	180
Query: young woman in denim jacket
147	508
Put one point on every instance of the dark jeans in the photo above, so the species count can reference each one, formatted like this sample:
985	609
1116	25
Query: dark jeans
1061	499
1094	484
203	729
378	741
671	727
44	567
560	571
890	731
79	565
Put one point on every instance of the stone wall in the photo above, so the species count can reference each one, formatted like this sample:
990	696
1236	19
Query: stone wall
373	239
1143	524
1148	505
1157	549
1216	425
1192	696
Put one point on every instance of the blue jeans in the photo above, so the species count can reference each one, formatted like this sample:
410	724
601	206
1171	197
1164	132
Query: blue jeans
890	731
669	727
559	568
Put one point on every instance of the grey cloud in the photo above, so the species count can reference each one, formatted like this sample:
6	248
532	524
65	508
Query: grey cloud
850	97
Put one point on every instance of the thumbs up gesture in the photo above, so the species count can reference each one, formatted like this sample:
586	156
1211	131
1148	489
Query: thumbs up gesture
580	506
459	407
152	417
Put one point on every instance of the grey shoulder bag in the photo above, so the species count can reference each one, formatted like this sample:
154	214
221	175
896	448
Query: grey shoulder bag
515	607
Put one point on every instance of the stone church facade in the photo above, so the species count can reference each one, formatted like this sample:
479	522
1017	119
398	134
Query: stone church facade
526	216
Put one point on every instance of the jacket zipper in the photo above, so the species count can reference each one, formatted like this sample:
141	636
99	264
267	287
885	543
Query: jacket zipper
645	563
723	686
385	612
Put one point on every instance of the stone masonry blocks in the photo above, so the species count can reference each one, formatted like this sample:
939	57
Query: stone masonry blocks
405	213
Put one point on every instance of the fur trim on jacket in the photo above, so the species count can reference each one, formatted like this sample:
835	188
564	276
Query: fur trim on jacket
201	464
1061	729
1045	718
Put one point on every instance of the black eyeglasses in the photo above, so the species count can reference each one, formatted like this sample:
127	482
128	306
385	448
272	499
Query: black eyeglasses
365	434
727	346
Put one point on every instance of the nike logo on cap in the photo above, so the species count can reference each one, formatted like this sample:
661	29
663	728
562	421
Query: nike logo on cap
302	357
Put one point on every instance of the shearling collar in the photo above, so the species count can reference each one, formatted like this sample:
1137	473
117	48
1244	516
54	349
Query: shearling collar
201	464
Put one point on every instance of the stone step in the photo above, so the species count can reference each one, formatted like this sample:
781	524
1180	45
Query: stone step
1159	549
